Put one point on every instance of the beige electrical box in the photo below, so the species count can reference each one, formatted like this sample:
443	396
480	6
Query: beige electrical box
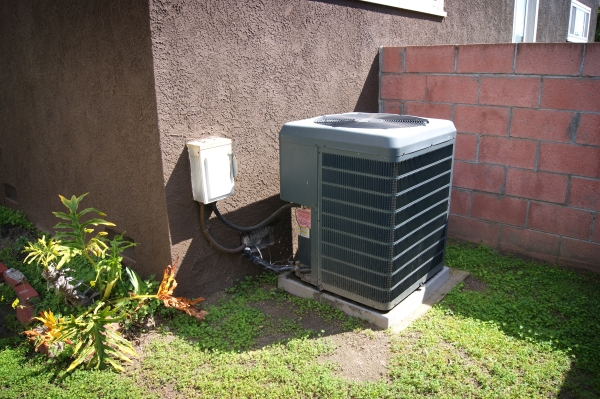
212	163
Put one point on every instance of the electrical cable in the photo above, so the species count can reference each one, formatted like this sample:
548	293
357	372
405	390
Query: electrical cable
206	233
269	266
243	248
256	226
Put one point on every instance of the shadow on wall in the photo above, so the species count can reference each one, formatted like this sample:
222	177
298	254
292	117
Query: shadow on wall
204	270
368	100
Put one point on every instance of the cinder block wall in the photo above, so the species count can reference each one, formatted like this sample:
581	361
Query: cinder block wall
527	171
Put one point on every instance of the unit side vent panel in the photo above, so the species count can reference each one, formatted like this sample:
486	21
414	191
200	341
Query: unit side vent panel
349	281
381	168
383	224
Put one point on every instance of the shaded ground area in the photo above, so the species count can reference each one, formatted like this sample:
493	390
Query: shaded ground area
474	284
11	237
360	352
8	322
513	329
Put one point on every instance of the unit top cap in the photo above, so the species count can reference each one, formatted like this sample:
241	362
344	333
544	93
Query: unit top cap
387	135
210	142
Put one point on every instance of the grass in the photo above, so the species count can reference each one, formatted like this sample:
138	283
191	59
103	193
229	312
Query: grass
525	336
235	323
531	331
27	375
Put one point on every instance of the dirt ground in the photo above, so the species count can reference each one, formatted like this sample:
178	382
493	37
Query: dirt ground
359	356
473	284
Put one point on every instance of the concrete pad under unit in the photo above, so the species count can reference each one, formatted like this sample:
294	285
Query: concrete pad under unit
412	307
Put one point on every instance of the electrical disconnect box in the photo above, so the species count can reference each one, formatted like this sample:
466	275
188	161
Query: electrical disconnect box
213	168
375	191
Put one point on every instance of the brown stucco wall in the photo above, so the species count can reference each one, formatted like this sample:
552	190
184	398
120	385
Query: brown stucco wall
242	69
553	20
101	96
78	114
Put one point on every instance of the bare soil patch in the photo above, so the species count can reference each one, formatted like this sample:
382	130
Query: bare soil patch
361	356
474	284
282	313
140	342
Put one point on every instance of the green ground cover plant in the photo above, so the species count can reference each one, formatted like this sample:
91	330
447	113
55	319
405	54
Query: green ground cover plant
514	329
498	342
15	218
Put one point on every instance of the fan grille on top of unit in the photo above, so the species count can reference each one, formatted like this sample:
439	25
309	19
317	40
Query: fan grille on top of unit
377	121
331	121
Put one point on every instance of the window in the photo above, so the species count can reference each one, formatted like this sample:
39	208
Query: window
435	7
525	21
579	22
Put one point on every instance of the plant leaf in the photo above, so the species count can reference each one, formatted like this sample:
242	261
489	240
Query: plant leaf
62	215
108	289
88	210
135	279
97	222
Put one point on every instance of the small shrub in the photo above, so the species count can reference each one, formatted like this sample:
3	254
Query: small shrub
78	251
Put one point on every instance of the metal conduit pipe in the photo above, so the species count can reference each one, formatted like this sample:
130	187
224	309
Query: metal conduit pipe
256	226
206	233
243	248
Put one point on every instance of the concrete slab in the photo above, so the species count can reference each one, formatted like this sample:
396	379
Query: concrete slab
456	276
414	306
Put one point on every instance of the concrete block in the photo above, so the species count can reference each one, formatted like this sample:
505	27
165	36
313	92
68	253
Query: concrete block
25	314
26	293
383	319
13	277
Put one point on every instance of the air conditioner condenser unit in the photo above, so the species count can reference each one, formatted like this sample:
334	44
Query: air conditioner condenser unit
375	191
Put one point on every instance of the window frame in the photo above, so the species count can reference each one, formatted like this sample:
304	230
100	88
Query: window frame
529	31
588	11
415	5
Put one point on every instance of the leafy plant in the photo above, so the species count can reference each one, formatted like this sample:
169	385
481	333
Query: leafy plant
46	252
98	343
93	334
15	218
77	237
7	295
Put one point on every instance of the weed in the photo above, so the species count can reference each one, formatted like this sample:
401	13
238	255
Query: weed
531	333
7	295
552	308
31	376
15	218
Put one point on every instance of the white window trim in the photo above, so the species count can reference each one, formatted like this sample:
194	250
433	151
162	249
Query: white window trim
527	9
424	6
586	9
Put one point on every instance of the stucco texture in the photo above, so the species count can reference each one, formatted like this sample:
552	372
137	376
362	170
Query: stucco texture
78	114
242	69
553	20
101	96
